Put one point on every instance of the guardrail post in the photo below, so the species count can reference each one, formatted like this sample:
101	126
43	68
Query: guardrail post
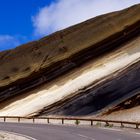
48	120
4	119
91	122
122	124
77	122
62	121
18	119
137	126
107	123
33	120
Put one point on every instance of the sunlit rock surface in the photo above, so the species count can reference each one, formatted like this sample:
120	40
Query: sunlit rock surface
87	69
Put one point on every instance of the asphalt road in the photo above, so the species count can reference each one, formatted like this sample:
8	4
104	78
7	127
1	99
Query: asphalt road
53	132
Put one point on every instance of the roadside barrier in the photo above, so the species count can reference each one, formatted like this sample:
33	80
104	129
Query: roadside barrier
76	120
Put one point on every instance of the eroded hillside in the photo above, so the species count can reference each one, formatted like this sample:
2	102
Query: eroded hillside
83	70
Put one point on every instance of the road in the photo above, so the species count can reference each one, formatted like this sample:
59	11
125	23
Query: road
53	132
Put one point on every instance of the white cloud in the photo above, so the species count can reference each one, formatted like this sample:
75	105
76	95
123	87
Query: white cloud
63	13
7	42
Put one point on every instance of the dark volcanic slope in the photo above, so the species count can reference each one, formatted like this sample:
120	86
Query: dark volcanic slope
37	62
107	94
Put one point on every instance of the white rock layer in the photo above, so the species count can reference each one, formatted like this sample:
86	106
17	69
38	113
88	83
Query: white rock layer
68	84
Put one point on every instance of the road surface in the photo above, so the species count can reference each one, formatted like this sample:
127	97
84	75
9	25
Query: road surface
53	132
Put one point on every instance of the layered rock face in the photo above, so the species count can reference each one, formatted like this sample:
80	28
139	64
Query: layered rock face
86	69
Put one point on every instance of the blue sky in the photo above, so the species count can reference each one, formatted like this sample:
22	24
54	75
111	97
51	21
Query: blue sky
16	25
16	15
24	20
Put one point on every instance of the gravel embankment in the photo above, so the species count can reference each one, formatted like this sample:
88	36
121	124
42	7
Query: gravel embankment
10	136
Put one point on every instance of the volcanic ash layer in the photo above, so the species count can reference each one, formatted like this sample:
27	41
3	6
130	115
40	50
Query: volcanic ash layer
83	70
